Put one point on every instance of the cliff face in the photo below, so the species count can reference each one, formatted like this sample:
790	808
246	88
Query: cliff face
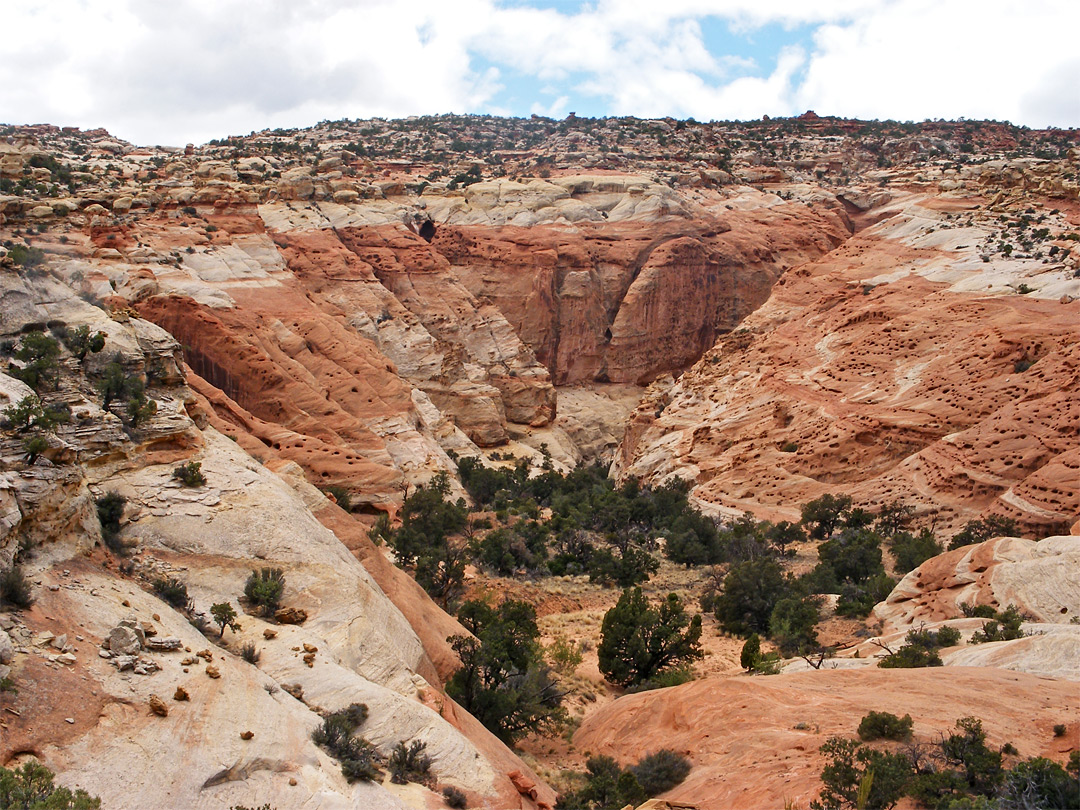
627	302
900	366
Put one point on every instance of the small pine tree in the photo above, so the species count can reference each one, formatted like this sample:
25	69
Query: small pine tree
751	652
224	616
638	641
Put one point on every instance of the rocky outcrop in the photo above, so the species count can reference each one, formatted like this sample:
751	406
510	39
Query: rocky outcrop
1041	578
875	372
621	302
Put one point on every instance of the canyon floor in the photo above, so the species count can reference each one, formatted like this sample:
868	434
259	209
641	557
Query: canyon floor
769	312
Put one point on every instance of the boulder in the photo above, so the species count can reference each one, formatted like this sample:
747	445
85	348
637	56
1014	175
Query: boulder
124	641
7	649
290	615
158	707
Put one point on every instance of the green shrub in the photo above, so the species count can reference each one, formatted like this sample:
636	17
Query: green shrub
454	798
978	531
359	760
110	509
341	496
15	588
885	726
1040	782
859	599
33	447
190	474
948	637
250	653
661	771
24	413
910	551
31	788
858	776
789	447
792	623
911	656
822	515
503	681
140	409
855	555
751	591
980	765
977	611
39	355
564	656
768	664
173	591
264	589
224	616
26	256
751	652
1005	626
409	763
80	342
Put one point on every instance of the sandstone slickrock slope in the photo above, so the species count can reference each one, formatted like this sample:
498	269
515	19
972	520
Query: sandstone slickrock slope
754	742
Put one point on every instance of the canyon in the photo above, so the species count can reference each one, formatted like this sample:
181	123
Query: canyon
333	317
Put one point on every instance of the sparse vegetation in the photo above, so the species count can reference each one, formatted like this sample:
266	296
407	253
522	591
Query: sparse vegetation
264	589
80	341
38	356
610	787
110	510
1004	626
564	656
661	771
341	496
359	760
15	588
958	771
409	763
920	649
454	798
224	617
978	531
173	591
190	474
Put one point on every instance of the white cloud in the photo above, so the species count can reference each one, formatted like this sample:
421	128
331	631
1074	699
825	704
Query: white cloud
918	59
197	69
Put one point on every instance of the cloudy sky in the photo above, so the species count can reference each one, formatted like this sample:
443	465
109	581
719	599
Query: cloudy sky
178	71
